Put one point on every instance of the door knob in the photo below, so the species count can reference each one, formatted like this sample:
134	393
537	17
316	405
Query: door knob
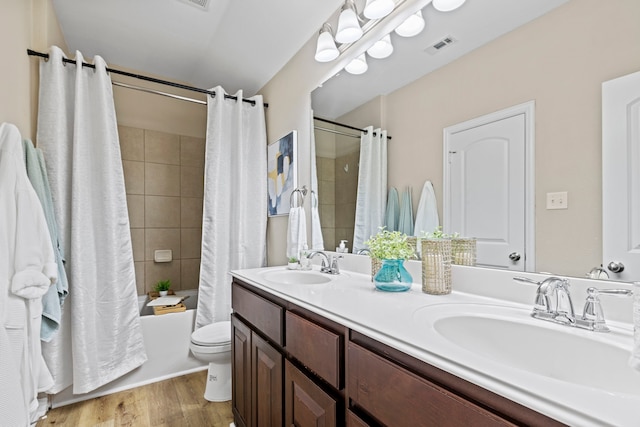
514	256
616	267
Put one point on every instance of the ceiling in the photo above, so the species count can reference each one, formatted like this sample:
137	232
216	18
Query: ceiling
242	44
239	44
476	23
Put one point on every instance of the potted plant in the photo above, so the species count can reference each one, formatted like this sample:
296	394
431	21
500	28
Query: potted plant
293	263
163	287
391	248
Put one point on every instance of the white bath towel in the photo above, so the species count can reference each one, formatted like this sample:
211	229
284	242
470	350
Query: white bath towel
427	215
405	223
296	232
317	241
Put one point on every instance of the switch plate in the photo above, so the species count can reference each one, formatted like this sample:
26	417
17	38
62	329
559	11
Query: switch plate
557	200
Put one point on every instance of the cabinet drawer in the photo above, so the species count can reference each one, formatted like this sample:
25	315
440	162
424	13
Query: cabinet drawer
265	315
395	396
316	347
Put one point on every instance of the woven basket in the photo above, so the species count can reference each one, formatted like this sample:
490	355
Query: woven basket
463	251
436	266
375	266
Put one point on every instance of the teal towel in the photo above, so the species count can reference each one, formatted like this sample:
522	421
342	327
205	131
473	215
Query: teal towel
393	210
51	301
405	223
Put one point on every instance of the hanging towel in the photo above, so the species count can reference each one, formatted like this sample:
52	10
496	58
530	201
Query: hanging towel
317	242
296	232
427	214
405	223
393	210
51	301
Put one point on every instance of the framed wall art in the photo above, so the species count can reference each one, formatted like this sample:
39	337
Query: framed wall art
282	173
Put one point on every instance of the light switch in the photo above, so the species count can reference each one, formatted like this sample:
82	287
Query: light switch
557	200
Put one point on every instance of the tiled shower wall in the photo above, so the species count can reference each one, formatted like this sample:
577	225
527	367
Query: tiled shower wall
164	180
337	190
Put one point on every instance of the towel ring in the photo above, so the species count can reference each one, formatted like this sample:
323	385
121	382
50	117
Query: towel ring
300	199
314	199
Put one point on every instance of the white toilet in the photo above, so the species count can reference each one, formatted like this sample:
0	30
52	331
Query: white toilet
212	343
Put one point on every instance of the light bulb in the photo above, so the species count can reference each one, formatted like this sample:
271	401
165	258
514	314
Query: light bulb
326	49
376	9
412	26
348	27
447	5
382	48
358	65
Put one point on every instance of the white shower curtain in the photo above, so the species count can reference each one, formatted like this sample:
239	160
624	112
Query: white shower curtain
317	241
234	221
100	338
371	198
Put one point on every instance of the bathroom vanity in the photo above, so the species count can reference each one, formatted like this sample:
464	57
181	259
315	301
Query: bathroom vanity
311	349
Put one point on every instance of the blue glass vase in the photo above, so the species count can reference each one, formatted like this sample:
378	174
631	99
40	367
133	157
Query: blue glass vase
392	276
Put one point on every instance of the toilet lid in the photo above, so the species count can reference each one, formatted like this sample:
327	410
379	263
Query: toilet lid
218	333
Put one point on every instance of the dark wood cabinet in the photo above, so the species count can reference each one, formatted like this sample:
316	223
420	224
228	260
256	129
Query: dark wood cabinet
241	372
306	404
257	379
266	375
294	367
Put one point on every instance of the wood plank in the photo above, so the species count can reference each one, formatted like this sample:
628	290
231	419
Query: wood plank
175	402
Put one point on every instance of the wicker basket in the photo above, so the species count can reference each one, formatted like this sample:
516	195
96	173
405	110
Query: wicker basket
463	251
375	266
436	266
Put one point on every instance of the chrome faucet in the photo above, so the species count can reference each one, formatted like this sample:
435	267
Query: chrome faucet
553	300
329	265
553	303
364	251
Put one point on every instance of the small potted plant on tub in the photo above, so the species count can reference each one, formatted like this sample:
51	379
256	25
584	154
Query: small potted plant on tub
292	263
163	287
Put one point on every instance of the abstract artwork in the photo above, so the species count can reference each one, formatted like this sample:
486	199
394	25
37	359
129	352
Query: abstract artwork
282	173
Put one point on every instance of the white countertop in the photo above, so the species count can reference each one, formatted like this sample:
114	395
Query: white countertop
392	318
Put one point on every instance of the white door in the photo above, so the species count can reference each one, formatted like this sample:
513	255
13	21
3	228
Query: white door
621	177
486	187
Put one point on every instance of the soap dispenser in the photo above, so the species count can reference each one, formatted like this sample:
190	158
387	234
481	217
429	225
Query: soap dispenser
343	247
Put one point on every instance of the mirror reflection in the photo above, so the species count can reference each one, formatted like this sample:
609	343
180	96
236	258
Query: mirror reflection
553	60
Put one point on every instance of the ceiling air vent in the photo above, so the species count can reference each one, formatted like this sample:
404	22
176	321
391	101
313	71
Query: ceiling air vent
200	4
438	46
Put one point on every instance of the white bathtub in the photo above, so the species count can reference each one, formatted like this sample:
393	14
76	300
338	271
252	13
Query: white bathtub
166	339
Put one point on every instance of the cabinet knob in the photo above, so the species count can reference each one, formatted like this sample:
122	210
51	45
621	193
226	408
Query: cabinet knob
514	256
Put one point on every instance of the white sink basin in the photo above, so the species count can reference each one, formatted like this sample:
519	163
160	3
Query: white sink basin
510	337
296	277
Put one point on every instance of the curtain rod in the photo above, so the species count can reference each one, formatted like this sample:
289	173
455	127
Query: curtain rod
343	125
31	52
336	131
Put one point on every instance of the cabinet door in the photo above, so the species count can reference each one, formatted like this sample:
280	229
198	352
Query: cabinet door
266	375
306	404
241	372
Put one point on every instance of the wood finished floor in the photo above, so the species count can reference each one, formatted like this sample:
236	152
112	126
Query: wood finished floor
175	402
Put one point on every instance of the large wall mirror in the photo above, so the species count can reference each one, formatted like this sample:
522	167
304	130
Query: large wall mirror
556	53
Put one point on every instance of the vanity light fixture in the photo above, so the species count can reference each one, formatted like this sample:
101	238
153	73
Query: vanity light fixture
447	5
412	26
382	48
376	9
349	29
358	65
326	49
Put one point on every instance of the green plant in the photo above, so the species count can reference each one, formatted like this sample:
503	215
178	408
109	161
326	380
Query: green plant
438	234
389	245
163	285
293	259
